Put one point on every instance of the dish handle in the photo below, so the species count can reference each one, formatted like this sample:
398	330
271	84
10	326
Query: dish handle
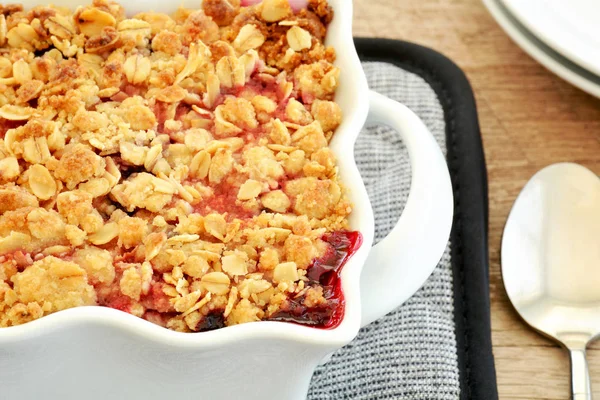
399	264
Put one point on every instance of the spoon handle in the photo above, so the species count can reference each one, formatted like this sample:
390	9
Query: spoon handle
580	376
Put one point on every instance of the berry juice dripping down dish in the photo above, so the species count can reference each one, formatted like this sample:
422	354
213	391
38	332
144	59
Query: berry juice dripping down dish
325	271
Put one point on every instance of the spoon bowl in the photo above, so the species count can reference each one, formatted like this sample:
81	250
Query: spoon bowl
551	260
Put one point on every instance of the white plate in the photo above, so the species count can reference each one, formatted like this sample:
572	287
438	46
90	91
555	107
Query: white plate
568	26
545	55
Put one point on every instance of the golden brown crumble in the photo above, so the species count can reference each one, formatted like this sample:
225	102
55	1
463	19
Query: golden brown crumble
175	167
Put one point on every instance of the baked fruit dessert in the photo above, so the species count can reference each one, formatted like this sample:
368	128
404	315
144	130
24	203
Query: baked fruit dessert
175	167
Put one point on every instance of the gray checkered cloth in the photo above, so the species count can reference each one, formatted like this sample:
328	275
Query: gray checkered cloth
411	352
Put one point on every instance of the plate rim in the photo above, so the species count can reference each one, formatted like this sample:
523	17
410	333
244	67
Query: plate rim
567	44
539	51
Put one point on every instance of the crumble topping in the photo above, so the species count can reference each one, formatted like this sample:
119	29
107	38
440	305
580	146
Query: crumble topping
175	167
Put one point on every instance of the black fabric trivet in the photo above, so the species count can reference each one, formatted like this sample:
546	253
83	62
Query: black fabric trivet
469	237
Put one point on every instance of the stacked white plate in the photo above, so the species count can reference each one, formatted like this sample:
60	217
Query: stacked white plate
562	35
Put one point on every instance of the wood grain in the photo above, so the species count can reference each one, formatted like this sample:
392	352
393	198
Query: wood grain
529	119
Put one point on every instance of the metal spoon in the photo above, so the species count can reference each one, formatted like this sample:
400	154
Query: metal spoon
551	261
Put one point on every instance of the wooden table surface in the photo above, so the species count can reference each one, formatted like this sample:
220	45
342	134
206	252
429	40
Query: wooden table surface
529	119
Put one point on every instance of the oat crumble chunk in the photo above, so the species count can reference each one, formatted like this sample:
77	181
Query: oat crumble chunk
175	167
